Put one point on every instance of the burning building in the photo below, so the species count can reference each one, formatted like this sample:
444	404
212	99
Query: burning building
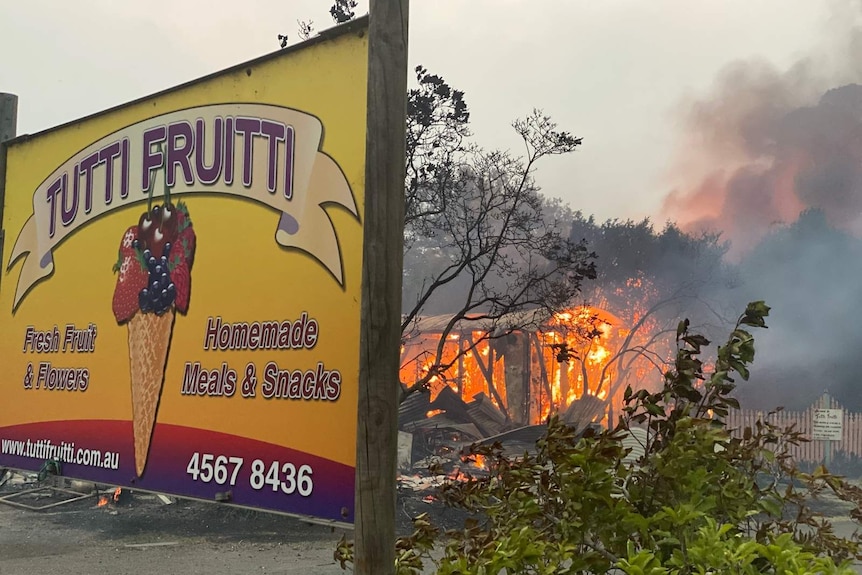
567	363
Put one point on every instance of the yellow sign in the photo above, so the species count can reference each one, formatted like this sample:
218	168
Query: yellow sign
179	304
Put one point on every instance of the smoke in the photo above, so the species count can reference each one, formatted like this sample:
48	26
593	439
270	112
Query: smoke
767	144
772	159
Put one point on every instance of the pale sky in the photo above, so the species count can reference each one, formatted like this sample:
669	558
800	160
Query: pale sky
616	72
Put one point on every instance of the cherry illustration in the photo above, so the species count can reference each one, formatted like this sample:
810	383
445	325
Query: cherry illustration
157	228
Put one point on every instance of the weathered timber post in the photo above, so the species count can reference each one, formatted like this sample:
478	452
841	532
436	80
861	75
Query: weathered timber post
380	334
8	128
826	403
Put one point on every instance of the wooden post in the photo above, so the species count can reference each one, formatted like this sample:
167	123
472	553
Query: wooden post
564	385
528	375
515	376
8	128
380	334
543	371
825	403
461	366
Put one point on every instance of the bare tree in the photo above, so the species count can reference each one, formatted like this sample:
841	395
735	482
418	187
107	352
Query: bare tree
476	234
341	11
305	29
648	279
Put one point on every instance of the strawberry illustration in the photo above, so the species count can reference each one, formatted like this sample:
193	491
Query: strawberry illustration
131	279
127	244
185	246
185	234
182	280
183	220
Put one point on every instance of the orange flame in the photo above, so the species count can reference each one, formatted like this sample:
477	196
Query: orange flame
458	475
578	350
102	501
577	353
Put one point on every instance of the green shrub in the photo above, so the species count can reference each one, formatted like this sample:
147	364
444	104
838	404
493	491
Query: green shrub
698	501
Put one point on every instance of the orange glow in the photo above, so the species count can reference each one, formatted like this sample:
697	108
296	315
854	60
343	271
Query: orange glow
458	475
434	412
586	335
582	351
117	492
102	501
456	366
479	461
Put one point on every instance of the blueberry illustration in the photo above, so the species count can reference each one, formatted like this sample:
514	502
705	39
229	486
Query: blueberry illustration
144	300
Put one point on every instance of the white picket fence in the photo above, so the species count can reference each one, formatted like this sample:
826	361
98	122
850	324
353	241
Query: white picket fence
811	451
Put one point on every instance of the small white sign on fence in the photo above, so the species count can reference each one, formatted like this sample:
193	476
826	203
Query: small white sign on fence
827	424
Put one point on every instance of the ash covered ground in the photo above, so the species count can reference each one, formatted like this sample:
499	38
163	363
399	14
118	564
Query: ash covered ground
140	533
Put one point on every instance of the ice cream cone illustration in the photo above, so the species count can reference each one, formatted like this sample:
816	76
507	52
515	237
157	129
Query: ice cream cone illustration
149	342
153	284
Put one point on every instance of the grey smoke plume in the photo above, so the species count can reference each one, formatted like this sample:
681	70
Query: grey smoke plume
787	159
773	160
768	144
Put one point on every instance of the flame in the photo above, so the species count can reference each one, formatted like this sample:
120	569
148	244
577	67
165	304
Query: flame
587	339
102	501
599	354
434	412
572	393
588	336
479	461
458	475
